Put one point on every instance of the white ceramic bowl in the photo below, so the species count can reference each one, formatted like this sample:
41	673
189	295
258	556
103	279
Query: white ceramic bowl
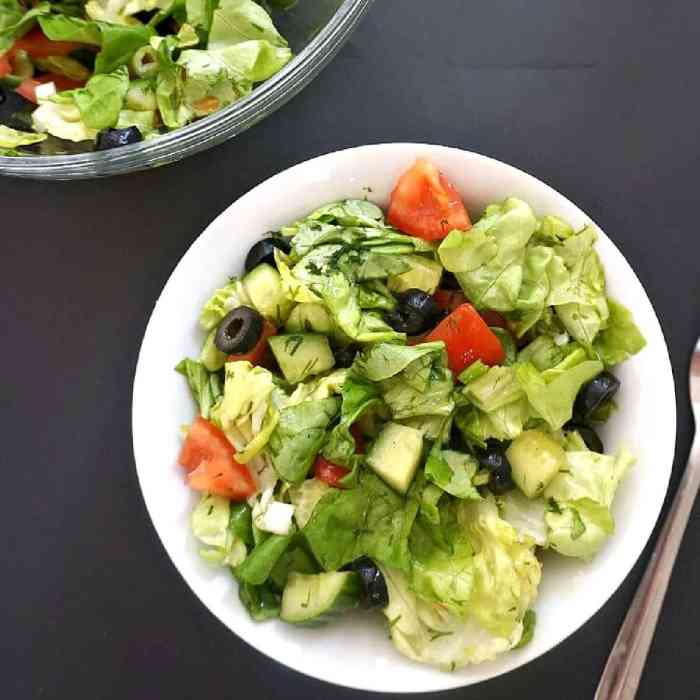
356	651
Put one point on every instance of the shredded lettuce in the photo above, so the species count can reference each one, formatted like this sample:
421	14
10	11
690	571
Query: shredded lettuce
214	526
245	412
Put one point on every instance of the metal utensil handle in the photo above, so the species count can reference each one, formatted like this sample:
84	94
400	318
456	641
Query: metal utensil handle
623	670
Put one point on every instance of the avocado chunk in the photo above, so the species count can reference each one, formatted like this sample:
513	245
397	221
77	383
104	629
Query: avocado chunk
424	274
535	459
301	355
263	285
396	454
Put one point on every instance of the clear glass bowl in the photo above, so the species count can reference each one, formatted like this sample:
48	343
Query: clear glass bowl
315	29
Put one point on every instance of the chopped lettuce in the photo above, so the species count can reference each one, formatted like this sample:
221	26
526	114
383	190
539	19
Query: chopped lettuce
214	526
304	498
554	400
299	434
430	633
488	260
245	412
506	571
620	339
205	386
526	515
578	517
495	389
223	300
369	519
11	138
452	471
358	395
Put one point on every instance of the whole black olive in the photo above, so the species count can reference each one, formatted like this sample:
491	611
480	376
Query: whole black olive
415	313
594	394
375	593
588	435
114	138
264	252
239	331
449	281
344	357
494	459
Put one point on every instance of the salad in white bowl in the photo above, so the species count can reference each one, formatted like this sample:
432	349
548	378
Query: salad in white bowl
399	410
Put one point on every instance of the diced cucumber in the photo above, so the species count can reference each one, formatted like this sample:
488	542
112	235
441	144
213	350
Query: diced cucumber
535	459
396	454
263	285
210	356
424	274
312	598
310	318
301	355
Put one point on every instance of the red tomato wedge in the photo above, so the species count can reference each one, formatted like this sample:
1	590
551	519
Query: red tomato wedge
467	338
257	354
210	461
27	88
329	472
425	204
5	66
38	45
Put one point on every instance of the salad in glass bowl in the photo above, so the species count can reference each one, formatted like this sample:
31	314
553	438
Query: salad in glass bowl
78	75
399	411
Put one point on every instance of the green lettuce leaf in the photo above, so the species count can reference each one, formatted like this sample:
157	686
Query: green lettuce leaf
431	633
170	87
239	21
15	22
554	400
370	519
205	386
526	515
452	471
505	423
299	434
213	524
620	339
358	396
101	100
506	571
224	299
64	28
441	567
11	138
304	498
578	528
488	260
245	412
495	389
579	518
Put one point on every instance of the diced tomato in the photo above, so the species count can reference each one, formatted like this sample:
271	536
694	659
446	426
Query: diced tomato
5	66
210	461
38	45
359	439
449	299
256	356
329	472
467	338
27	88
425	204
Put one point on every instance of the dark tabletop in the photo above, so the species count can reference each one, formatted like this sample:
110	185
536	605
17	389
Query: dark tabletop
597	98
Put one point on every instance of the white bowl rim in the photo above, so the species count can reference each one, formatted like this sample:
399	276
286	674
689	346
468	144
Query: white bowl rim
591	605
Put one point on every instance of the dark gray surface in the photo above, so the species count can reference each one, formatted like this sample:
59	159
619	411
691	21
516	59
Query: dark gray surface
598	99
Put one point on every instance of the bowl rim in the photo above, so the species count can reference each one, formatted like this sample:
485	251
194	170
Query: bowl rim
446	681
203	133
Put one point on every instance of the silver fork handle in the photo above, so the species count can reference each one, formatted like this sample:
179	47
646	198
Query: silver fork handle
623	670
